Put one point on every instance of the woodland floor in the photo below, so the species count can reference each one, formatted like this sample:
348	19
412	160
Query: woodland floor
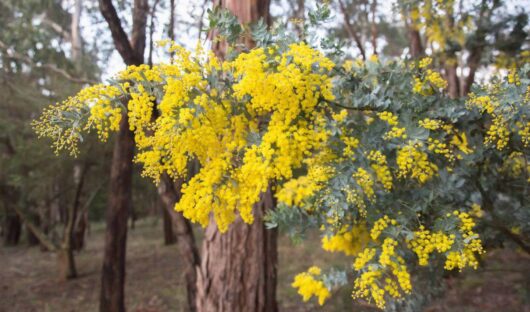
154	283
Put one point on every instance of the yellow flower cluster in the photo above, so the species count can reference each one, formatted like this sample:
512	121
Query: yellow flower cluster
516	165
365	181
483	103
431	124
441	148
348	241
498	134
380	225
472	245
476	211
350	143
294	191
380	166
93	103
425	242
392	120
356	198
513	77
340	116
363	258
428	86
413	162
425	62
389	117
459	140
524	132
390	264
309	285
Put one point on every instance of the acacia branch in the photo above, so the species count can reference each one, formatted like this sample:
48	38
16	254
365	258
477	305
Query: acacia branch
488	206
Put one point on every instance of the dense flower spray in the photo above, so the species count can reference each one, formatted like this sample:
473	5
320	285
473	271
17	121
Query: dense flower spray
372	153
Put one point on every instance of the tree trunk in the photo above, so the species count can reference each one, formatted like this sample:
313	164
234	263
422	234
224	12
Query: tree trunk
31	238
416	47
76	40
169	235
453	83
238	268
170	194
113	271
78	241
66	264
12	229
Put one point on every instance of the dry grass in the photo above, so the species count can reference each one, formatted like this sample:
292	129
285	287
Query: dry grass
154	282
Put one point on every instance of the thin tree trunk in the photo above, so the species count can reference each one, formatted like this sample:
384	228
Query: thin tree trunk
350	29
77	43
477	45
82	225
453	82
67	269
31	238
373	26
113	271
66	264
12	229
170	194
416	47
78	242
169	234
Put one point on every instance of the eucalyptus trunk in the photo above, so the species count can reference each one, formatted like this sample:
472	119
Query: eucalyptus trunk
238	268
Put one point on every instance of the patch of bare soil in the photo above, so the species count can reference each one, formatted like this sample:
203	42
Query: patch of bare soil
28	279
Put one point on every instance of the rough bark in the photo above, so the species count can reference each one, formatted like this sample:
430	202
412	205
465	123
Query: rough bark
238	268
170	194
113	271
